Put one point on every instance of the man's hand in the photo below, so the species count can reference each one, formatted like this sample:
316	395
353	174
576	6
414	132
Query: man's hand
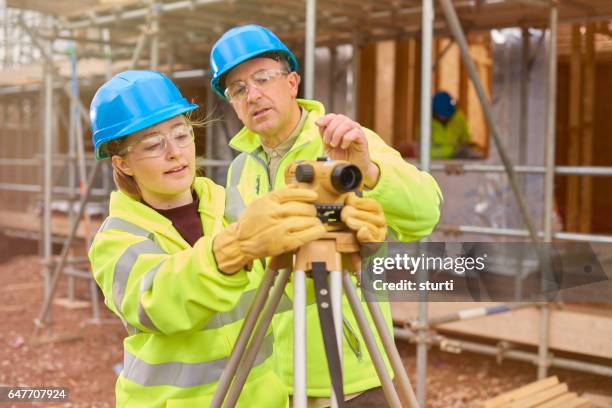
365	216
344	139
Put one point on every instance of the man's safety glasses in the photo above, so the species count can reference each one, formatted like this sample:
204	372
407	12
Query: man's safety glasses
237	90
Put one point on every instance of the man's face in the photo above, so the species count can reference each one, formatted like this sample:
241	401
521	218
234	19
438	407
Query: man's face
265	110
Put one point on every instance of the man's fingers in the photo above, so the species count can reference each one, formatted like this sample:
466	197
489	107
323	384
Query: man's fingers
297	208
323	124
295	193
351	213
349	138
365	204
342	128
298	224
324	120
305	229
331	130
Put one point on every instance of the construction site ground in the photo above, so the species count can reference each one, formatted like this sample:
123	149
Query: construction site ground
82	356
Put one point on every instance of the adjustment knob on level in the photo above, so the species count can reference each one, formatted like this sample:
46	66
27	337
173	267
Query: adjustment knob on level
304	173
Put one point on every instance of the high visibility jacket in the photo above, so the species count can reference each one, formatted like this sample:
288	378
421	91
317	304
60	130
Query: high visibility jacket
410	199
183	315
445	139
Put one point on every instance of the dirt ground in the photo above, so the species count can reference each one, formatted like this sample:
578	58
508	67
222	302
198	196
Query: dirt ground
81	355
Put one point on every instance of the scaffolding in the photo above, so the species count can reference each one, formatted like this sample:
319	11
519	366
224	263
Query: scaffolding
29	37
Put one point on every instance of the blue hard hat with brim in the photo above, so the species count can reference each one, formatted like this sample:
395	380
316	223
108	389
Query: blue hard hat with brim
241	44
132	101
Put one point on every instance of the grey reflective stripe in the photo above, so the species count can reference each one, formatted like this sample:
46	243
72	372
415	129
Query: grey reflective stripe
130	329
145	285
183	375
124	266
284	305
391	234
242	307
234	204
119	224
236	314
351	338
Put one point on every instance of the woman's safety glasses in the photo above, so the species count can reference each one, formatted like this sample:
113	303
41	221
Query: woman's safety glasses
155	145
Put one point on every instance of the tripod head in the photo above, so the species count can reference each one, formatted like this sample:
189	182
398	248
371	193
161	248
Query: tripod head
333	180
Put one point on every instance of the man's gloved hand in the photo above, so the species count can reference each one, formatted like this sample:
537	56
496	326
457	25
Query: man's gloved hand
366	217
278	222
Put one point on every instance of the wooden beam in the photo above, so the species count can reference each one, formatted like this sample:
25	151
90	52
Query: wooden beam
385	90
575	124
366	84
480	50
405	97
586	196
535	400
448	70
521	392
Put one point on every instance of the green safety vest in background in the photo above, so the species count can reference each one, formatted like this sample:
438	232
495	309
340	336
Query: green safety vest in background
183	316
410	199
445	139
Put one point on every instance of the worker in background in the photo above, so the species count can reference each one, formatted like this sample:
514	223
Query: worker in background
256	73
169	264
450	136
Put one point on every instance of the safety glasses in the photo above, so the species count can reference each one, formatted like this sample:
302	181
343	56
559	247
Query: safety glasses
238	90
155	145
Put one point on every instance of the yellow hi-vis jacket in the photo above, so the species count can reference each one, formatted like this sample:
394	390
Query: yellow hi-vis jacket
410	199
445	139
183	316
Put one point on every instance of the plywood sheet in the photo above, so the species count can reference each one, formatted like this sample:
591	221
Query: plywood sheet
570	331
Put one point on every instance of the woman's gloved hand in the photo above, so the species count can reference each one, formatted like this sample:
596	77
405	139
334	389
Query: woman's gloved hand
278	222
366	217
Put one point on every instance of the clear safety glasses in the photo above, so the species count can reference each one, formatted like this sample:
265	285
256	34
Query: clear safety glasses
155	145
237	90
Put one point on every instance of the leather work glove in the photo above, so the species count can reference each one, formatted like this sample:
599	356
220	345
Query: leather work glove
278	222
366	217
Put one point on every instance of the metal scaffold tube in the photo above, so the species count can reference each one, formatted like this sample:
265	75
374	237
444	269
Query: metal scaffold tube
309	64
455	27
425	147
549	181
511	232
455	167
47	175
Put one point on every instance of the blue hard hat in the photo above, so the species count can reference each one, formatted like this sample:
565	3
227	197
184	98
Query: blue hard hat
443	104
132	101
240	44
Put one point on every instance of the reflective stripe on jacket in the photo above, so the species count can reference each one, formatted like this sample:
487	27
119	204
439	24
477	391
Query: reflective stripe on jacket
183	315
410	199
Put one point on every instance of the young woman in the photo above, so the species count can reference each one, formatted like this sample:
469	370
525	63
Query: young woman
169	266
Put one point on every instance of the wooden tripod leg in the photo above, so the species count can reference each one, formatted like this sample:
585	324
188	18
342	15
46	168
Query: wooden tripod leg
241	342
260	332
379	364
391	350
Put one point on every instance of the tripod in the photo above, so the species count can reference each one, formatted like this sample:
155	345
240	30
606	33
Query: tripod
335	254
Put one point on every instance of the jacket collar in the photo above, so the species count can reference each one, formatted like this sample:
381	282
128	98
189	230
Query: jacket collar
248	142
211	205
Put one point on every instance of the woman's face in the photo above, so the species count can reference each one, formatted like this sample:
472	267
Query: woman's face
161	158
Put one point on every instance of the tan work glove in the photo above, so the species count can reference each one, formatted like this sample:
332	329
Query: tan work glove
278	222
366	217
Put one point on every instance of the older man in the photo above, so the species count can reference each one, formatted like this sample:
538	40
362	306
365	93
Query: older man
256	73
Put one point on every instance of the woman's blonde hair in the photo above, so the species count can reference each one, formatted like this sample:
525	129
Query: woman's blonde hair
127	183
